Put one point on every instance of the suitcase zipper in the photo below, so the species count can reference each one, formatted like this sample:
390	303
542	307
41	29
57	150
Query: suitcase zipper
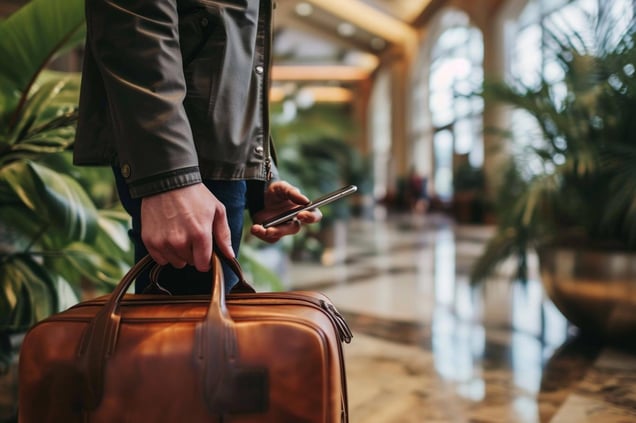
343	328
338	319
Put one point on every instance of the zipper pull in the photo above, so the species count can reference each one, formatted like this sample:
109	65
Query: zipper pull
268	169
343	328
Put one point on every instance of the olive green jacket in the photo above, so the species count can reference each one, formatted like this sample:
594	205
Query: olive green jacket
174	91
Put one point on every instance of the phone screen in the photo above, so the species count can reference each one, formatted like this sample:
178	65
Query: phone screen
319	202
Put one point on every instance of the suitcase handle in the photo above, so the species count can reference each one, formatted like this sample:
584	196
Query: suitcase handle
215	347
241	287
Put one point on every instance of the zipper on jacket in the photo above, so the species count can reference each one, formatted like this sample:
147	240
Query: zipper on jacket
268	165
266	83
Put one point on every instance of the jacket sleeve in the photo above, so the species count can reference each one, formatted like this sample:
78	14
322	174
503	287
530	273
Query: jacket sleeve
136	47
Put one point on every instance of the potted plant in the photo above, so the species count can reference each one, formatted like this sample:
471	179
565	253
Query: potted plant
570	195
60	233
313	154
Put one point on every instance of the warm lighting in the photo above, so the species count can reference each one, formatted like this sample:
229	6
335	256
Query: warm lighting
277	94
346	29
362	60
319	73
318	94
304	9
330	94
360	14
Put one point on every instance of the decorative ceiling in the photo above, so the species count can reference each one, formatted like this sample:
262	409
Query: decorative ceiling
342	38
405	10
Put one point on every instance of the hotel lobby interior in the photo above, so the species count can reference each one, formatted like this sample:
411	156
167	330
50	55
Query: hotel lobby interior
462	265
429	347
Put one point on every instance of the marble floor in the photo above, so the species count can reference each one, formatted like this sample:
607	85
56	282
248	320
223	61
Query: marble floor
428	347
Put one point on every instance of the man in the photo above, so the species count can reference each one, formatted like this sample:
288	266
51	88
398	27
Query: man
175	97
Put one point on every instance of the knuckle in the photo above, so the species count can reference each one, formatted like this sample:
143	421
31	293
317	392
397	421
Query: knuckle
178	243
221	209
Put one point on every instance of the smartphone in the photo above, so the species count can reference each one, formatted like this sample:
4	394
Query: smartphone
319	202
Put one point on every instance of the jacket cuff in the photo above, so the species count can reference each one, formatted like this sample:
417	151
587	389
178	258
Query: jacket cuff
165	182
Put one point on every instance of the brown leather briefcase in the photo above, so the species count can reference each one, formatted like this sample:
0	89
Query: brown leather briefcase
250	357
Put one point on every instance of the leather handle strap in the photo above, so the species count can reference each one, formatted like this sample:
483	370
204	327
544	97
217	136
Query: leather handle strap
215	343
241	287
215	337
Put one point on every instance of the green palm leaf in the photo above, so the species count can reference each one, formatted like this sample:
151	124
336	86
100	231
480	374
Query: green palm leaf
29	39
47	121
29	293
577	182
61	205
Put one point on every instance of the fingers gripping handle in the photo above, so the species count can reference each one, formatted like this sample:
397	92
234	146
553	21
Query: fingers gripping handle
215	337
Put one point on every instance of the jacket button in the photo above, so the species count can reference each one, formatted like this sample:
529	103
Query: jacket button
125	170
204	21
259	149
259	69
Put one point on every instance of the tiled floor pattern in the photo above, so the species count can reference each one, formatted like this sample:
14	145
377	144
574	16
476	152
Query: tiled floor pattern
428	347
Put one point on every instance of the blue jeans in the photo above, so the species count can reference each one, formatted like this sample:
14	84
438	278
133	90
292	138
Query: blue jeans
188	280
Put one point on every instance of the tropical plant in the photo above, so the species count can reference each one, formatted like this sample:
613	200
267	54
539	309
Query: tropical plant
291	124
575	182
318	166
313	154
57	226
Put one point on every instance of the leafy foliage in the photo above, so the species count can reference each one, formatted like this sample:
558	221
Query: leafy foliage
57	235
315	155
312	154
37	33
575	183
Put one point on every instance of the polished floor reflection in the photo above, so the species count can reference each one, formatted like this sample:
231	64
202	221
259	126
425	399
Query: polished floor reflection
428	347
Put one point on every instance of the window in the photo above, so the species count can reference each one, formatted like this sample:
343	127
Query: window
456	71
380	130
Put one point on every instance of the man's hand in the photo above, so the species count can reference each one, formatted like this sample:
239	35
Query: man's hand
279	197
178	226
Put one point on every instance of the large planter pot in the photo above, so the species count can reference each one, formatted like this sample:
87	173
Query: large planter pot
594	289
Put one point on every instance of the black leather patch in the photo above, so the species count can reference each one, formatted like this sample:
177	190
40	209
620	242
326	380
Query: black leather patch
247	391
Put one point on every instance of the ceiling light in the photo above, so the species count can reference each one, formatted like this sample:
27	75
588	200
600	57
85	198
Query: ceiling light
305	98
304	9
346	29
